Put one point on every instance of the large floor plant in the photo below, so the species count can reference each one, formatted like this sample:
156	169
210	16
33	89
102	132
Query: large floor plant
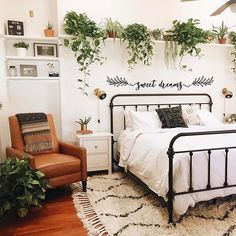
188	36
140	45
85	42
20	187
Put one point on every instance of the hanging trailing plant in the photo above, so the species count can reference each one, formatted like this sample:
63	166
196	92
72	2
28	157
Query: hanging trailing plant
188	36
232	36
85	42
171	51
140	45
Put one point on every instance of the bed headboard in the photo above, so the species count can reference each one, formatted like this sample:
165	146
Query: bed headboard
121	102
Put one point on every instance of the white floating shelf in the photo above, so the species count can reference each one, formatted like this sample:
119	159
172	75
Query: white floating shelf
39	38
26	58
34	78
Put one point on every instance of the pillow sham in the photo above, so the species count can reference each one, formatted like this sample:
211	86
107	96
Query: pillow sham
190	115
144	120
128	121
208	118
171	117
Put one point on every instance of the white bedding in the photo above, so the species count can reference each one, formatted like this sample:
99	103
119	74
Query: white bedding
144	153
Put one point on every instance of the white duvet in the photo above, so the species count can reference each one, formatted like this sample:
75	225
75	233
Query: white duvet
144	153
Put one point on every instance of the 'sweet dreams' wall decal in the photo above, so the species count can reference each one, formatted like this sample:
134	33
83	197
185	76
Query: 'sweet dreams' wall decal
201	81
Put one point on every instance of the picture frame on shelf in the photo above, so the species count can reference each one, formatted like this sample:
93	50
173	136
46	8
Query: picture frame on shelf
28	70
15	28
45	50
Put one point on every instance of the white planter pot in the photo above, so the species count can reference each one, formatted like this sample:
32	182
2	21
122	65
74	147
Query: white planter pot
21	52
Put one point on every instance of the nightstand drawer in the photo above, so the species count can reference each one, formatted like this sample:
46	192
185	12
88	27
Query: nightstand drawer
95	146
97	160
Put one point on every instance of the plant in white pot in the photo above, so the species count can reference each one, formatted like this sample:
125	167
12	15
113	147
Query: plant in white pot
21	48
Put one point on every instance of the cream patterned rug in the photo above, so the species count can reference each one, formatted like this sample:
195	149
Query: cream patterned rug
117	205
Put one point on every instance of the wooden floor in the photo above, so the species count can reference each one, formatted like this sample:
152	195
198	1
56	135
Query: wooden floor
57	217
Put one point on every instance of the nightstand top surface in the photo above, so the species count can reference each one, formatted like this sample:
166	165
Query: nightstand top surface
95	134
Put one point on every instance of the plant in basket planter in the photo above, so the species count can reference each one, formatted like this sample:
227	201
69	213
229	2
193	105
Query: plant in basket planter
221	32
85	43
84	125
21	48
20	187
232	36
113	29
188	35
140	45
49	31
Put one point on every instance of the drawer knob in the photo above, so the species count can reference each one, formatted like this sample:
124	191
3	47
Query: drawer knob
95	146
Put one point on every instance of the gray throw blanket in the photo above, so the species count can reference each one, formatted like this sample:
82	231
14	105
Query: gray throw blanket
36	131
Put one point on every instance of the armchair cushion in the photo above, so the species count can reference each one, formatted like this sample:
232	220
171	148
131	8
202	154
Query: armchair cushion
57	164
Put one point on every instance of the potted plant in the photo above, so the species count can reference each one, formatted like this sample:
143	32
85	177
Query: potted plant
49	31
140	45
84	124
232	36
220	32
113	29
85	43
188	36
21	48
157	34
20	187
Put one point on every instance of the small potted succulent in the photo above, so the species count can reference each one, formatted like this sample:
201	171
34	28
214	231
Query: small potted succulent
113	29
49	31
84	123
220	32
21	48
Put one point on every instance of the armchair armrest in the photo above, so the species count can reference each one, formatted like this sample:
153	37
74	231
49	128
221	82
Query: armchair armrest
12	152
76	151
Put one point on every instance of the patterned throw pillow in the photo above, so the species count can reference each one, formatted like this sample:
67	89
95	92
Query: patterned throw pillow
171	117
190	116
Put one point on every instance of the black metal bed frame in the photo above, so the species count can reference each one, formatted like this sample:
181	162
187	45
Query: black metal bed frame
171	152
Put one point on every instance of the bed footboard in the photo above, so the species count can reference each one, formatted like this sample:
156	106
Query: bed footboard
171	154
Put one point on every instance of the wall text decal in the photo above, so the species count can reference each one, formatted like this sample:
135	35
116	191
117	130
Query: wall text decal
179	85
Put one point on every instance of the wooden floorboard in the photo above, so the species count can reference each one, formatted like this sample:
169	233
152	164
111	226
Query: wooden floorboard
56	218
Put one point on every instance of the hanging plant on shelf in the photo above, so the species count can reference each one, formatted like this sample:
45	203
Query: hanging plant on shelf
188	36
171	51
140	45
232	36
112	29
85	43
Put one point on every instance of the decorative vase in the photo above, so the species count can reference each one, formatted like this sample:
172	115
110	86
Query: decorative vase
83	127
49	33
222	40
21	52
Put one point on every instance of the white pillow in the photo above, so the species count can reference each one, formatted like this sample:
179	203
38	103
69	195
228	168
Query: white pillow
145	120
190	115
208	118
128	121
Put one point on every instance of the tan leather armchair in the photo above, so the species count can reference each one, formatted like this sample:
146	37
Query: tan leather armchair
63	164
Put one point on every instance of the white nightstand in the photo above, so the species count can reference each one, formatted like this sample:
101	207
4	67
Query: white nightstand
98	147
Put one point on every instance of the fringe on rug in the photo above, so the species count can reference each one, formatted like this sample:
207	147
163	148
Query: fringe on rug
86	212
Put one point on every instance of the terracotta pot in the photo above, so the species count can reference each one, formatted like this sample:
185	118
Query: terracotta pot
111	34
49	33
222	40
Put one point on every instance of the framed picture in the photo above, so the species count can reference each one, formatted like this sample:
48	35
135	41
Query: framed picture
45	50
28	70
15	27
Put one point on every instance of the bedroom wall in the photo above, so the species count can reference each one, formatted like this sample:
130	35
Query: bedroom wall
155	13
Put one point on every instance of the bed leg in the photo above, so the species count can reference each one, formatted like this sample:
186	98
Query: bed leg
170	194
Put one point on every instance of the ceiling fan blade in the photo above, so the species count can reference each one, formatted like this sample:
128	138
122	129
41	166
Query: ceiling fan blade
223	7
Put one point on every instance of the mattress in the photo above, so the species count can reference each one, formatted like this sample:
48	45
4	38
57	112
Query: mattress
144	153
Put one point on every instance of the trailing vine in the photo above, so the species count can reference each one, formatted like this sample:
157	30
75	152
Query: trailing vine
85	43
188	36
232	36
140	45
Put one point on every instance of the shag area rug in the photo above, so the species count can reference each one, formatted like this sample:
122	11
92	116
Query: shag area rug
117	205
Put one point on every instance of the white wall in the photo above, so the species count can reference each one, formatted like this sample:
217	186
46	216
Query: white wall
154	13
